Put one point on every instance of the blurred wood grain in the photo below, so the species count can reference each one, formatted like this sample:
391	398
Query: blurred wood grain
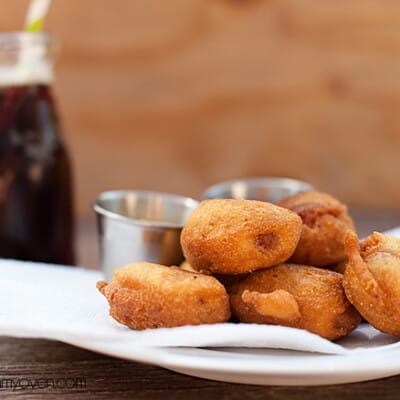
177	95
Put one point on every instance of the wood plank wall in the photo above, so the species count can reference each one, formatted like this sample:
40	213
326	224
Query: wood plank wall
175	95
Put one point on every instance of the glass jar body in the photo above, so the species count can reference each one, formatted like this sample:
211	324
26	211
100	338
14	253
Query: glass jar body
36	199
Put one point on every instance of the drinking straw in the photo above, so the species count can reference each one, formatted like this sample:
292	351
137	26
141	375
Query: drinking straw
36	15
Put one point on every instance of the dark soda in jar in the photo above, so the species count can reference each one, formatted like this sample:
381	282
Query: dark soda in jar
36	206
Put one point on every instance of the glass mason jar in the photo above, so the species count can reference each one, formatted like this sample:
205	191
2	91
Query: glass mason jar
36	205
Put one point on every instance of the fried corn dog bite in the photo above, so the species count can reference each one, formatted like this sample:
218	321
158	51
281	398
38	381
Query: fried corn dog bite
297	296
144	295
372	279
325	222
227	236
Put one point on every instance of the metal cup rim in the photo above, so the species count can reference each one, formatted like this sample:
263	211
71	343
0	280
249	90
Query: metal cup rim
279	181
186	201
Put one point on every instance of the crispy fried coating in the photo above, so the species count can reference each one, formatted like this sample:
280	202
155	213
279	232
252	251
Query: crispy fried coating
325	221
372	279
144	295
226	236
297	296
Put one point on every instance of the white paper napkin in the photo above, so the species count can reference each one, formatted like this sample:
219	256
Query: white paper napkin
62	303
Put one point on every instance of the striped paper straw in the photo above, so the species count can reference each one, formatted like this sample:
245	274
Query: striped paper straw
36	15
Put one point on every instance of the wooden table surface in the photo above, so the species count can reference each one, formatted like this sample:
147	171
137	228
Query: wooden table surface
36	369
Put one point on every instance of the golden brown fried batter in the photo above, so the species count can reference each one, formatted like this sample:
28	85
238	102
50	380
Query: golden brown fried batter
372	279
144	295
227	236
325	221
297	296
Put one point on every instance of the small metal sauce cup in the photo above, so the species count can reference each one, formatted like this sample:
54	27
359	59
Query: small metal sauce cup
263	189
140	226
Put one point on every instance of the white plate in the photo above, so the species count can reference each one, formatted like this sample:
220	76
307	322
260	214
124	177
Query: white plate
263	366
80	317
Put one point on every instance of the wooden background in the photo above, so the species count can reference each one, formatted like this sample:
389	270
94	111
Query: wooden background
175	95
